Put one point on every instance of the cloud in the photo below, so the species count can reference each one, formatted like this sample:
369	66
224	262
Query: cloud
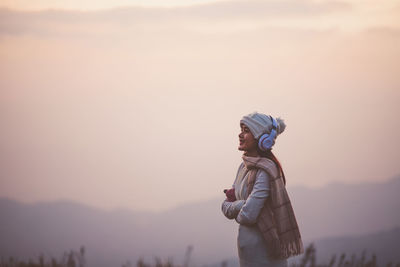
260	9
225	12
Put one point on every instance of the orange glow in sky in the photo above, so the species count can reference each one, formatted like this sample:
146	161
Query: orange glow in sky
106	105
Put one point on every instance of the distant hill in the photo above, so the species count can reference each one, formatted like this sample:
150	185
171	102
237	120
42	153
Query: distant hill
113	237
384	244
339	209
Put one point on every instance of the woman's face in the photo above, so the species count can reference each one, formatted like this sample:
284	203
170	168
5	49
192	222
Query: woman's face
247	142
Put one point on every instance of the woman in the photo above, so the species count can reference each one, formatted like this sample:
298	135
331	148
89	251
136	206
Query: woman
258	201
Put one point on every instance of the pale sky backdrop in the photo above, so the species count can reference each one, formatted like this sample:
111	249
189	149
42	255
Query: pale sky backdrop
136	104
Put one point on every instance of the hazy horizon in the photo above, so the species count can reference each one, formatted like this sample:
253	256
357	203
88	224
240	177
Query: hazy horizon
291	188
137	106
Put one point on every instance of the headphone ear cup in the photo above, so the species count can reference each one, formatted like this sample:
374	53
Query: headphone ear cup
266	141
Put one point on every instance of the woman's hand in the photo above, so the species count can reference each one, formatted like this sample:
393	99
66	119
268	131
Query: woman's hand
230	194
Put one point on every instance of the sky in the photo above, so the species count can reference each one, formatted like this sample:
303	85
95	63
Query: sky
136	104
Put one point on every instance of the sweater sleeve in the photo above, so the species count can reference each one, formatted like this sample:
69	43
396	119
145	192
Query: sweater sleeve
254	203
231	209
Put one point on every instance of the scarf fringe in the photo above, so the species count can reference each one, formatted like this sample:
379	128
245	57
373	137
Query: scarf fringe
284	251
292	249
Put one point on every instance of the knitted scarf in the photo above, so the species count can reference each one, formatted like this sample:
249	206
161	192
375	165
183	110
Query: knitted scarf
276	221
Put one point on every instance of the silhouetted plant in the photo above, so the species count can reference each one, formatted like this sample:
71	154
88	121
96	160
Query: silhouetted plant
309	256
158	263
332	262
309	260
71	259
77	259
188	253
341	260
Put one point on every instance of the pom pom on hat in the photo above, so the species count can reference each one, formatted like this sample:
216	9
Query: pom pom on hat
281	125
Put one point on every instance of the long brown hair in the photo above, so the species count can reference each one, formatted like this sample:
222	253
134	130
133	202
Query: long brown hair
268	154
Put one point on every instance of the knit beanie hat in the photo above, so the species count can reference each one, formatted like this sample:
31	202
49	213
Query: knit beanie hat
260	124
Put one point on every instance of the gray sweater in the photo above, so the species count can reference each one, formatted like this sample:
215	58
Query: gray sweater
251	245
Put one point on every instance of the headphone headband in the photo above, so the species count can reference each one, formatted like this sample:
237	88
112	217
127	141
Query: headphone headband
274	123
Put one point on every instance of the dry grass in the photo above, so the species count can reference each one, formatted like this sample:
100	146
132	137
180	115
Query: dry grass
77	259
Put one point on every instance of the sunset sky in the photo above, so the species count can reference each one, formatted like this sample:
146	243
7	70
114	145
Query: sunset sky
136	104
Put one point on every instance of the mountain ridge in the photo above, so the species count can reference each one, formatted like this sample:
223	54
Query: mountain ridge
114	236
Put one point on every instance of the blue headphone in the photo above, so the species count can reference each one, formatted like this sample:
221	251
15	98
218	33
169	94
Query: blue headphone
266	141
